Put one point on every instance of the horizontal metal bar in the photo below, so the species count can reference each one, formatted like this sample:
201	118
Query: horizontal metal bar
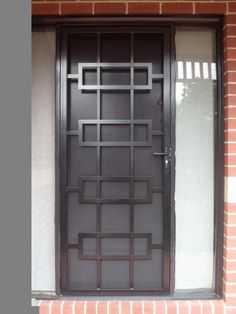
158	189
99	122
160	154
115	200
114	87
73	246
111	122
116	144
157	132
114	65
116	179
157	76
72	189
72	132
112	235
73	76
157	246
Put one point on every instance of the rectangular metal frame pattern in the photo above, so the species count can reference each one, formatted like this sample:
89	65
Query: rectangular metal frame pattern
127	257
99	65
164	133
100	200
131	123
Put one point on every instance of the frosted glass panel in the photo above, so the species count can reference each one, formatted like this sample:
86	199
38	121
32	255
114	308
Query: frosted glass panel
195	98
43	165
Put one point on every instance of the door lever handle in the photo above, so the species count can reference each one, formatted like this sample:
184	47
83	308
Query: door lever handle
166	153
160	154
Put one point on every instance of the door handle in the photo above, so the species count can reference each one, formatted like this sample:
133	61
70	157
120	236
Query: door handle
166	153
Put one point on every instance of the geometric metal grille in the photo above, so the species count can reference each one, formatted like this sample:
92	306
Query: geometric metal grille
101	237
138	244
130	123
99	66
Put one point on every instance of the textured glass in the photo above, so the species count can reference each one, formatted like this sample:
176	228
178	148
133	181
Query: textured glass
43	154
195	99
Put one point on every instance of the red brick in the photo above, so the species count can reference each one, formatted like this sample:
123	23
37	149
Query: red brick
232	7
230	89
230	30
230	277
230	254
230	112
109	8
218	307
148	307
229	265
227	288
177	8
230	65
137	307
230	300
206	307
56	307
230	19
160	307
230	207
230	171
60	0
143	8
45	9
230	136
183	306
230	243
172	307
195	307
230	100
43	308
79	307
230	76
102	307
91	307
230	42
230	231
230	219
76	8
229	159
230	124
230	53
114	307
125	307
230	148
210	8
67	308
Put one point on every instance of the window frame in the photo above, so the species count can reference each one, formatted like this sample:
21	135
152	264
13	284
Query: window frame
215	22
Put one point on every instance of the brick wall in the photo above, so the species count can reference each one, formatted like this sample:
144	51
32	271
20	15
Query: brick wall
155	8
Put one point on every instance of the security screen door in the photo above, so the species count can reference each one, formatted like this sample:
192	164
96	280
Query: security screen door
115	160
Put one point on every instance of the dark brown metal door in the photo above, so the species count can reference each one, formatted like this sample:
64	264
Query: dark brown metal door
115	160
